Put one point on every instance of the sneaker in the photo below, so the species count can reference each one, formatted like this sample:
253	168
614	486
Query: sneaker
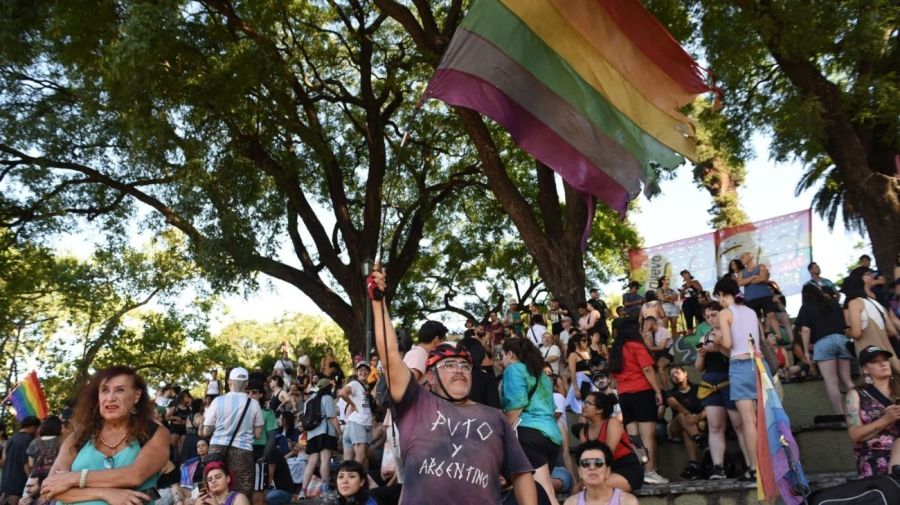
654	478
301	495
749	476
718	473
691	472
701	441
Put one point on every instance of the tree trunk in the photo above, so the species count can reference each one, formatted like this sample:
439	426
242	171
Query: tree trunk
555	247
877	200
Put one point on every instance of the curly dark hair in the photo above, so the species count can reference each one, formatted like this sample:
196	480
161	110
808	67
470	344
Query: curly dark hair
605	403
87	420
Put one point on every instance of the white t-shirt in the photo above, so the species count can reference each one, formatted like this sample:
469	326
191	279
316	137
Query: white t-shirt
363	413
304	360
564	338
662	337
415	358
535	333
212	387
549	351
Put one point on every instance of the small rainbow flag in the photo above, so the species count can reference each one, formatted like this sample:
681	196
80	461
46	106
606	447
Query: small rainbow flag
28	398
591	88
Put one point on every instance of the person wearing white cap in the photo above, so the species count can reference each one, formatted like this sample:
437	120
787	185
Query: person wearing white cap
233	421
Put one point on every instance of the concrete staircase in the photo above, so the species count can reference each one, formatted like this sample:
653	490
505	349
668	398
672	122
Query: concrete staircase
825	453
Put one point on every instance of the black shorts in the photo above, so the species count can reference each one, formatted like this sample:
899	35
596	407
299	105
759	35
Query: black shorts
762	306
320	442
177	429
658	355
638	407
539	449
631	469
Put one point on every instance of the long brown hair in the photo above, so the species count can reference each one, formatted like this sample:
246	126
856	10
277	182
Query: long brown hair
87	420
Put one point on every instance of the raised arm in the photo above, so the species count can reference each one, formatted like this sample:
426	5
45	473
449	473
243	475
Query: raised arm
398	373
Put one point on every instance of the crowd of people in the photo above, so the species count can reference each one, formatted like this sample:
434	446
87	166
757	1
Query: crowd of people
528	406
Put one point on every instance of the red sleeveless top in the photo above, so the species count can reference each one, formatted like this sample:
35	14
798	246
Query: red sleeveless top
623	449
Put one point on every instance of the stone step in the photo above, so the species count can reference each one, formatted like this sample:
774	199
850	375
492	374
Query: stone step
725	492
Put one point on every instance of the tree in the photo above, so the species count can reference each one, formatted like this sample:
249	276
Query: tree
244	125
821	78
27	308
549	224
260	344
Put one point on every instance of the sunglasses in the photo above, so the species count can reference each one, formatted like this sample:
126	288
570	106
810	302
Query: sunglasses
592	463
253	392
109	462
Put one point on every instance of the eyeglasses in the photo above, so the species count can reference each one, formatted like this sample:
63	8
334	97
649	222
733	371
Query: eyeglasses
592	463
588	403
455	366
253	392
109	462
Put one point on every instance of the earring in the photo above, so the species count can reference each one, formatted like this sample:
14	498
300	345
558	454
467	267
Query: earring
134	410
868	379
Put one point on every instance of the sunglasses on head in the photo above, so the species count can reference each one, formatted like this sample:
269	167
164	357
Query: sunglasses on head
592	463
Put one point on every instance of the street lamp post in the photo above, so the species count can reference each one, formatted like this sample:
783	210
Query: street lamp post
366	266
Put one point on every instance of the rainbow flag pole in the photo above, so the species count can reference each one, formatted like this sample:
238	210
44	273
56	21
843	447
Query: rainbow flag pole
778	470
28	398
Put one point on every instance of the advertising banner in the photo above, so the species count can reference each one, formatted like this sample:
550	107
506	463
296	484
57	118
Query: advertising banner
783	244
695	254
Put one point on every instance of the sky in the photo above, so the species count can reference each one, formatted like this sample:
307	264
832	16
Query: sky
679	212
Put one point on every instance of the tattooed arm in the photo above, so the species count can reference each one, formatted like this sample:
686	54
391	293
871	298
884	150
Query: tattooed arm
858	431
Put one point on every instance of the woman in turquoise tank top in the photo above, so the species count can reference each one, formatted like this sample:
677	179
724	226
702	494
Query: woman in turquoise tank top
116	450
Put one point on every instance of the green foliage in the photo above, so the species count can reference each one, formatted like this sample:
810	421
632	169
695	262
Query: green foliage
780	62
267	133
260	344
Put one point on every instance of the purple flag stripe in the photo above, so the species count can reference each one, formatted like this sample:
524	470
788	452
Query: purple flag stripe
777	425
474	55
532	135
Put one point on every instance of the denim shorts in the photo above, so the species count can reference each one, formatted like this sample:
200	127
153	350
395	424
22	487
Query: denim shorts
355	433
831	347
742	379
722	397
561	474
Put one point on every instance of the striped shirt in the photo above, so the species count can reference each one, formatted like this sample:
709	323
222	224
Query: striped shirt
223	414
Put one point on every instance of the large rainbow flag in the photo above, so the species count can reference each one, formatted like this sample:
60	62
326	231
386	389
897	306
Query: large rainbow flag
591	88
778	470
28	398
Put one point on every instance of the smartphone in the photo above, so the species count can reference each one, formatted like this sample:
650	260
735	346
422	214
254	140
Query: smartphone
202	486
153	493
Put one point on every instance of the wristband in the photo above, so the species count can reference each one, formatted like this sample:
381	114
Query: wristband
83	480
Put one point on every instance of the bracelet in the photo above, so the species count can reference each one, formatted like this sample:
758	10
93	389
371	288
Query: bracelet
83	480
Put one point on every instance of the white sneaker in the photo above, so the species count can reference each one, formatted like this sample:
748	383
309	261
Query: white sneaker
654	478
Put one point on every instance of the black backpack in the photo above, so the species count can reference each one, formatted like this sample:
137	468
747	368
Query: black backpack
312	413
